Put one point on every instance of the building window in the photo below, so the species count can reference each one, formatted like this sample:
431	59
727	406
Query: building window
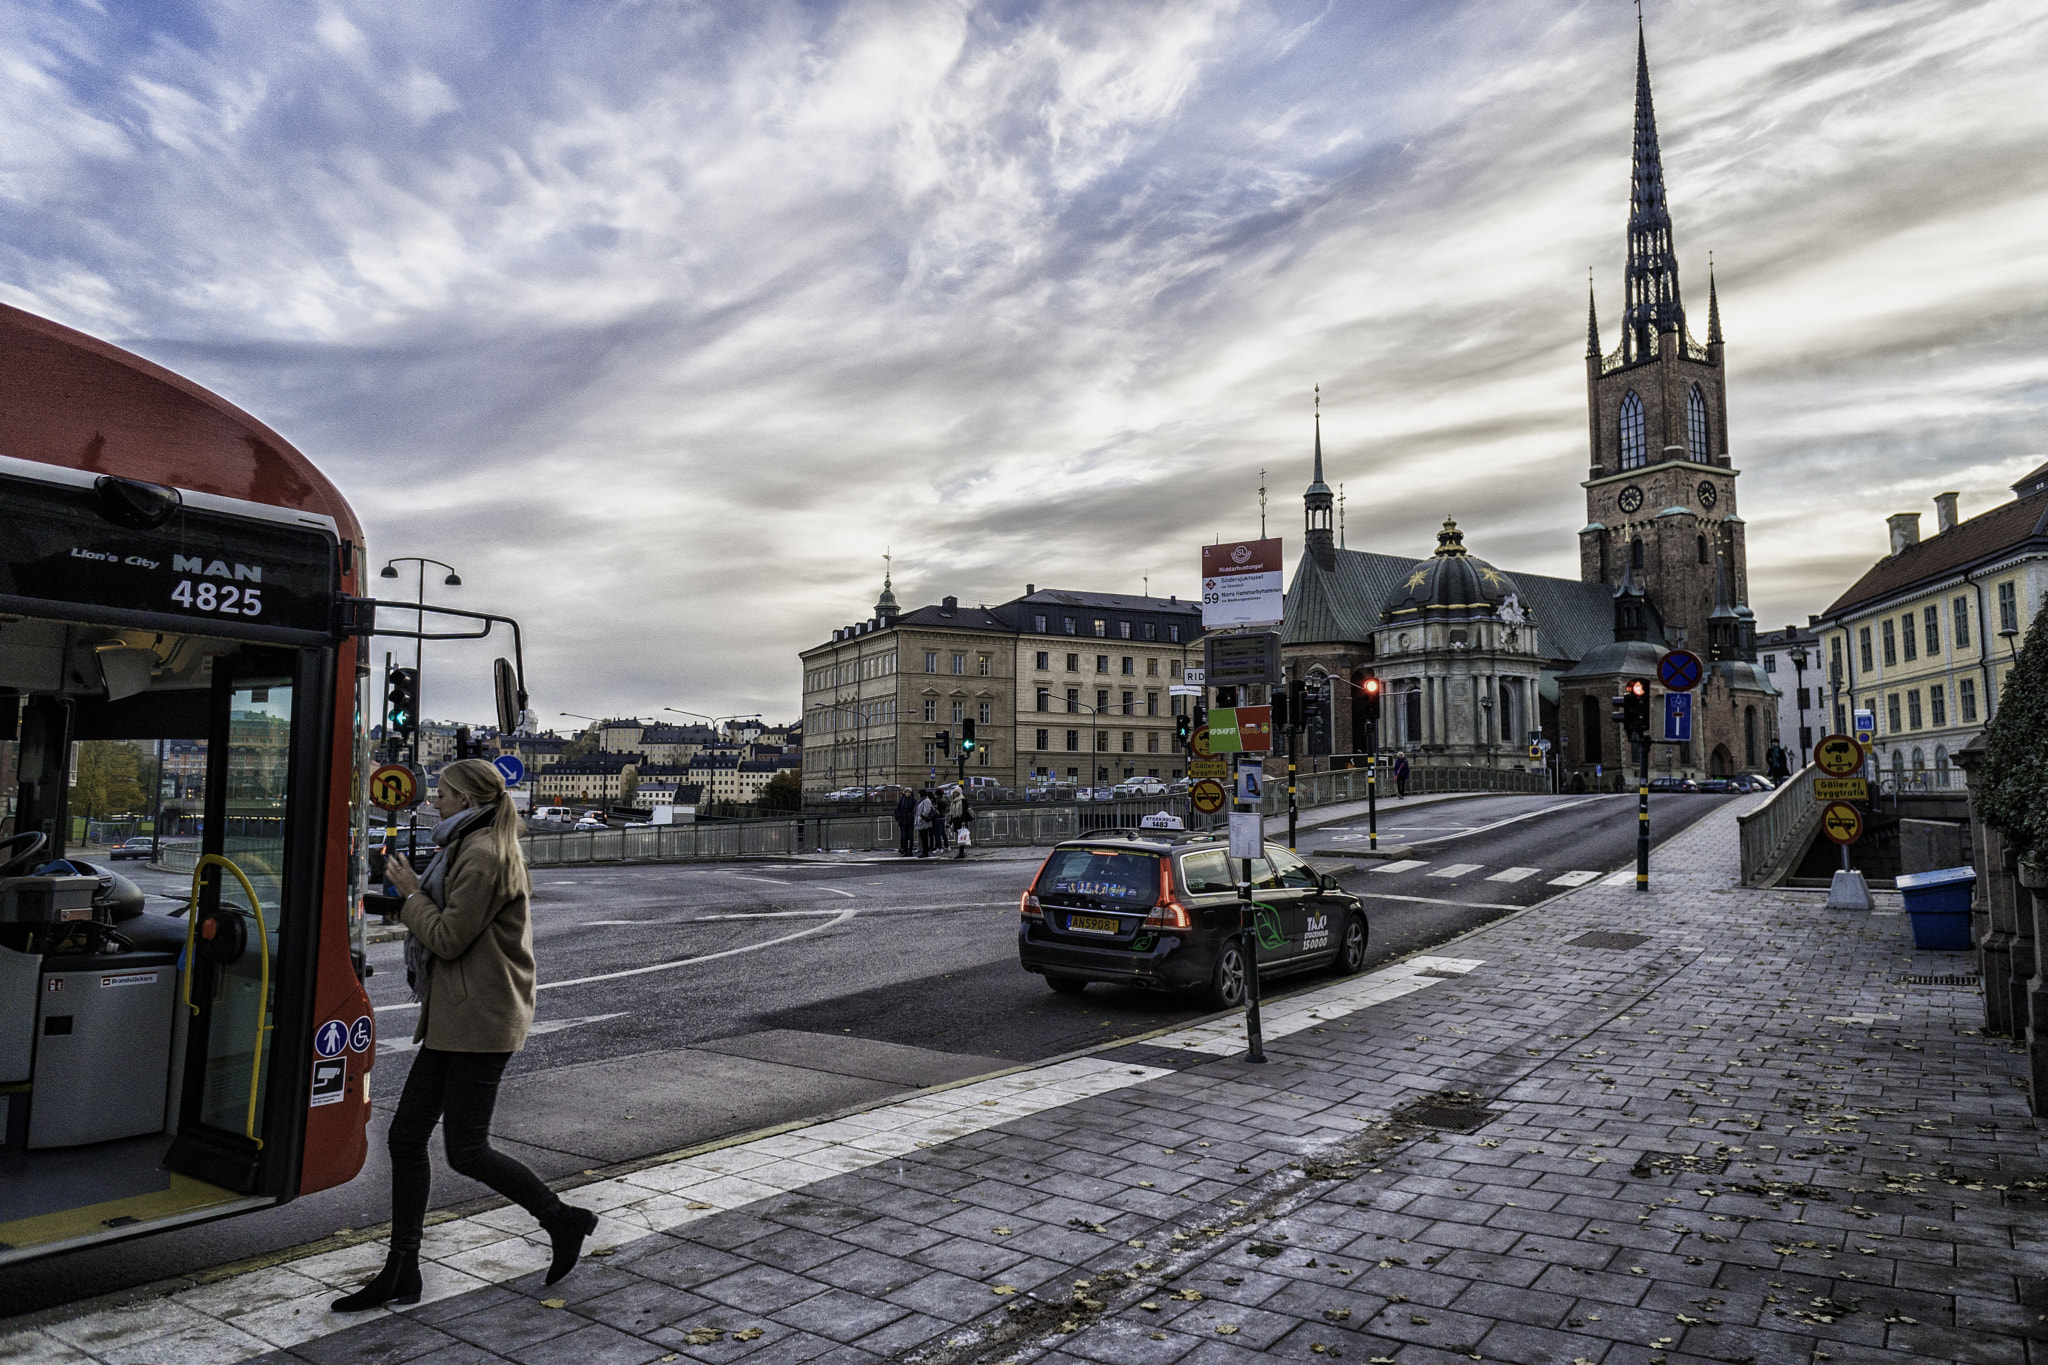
1044	662
1891	710
1910	638
1151	703
1069	624
1073	700
1124	629
1770	663
1102	663
1044	699
981	664
1930	621
1748	728
1130	704
1959	614
1178	705
1913	709
1102	630
1635	554
931	710
959	664
1937	705
986	713
1151	741
1073	740
1043	736
1130	742
1696	425
1863	648
1841	719
1130	666
931	661
984	755
1151	630
1891	643
1702	548
1102	741
1101	701
1151	668
959	712
1073	663
1173	634
1966	699
1038	625
1591	722
2008	608
1633	456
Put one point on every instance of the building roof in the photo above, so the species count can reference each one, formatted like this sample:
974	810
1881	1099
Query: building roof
955	617
1349	602
2004	528
1106	601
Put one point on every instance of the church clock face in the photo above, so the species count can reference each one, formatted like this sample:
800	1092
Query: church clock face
1709	494
1631	499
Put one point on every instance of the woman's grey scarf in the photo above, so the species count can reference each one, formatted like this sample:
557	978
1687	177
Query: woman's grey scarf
434	882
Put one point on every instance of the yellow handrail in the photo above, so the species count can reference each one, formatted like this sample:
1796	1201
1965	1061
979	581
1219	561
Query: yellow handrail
263	992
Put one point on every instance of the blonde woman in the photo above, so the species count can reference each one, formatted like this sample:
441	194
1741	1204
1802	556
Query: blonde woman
469	960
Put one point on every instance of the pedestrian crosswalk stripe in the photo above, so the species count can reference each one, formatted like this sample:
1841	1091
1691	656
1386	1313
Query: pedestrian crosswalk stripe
1457	869
1625	877
1514	874
1401	866
1575	879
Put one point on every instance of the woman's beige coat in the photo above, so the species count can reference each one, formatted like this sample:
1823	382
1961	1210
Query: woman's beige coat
480	992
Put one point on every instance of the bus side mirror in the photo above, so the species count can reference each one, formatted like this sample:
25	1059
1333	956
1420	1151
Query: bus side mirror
511	699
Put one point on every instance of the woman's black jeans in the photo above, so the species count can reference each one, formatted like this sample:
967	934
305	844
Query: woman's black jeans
459	1089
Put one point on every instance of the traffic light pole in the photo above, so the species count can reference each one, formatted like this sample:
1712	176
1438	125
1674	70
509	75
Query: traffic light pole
1293	810
1643	815
1372	773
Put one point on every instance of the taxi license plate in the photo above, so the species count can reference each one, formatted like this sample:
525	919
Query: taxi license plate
1095	924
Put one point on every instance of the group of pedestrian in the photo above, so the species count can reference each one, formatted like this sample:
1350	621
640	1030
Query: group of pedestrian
933	819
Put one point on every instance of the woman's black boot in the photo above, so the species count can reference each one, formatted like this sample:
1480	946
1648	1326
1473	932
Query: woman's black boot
397	1282
567	1229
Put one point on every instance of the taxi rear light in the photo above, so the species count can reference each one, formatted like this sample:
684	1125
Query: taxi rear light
1029	908
1169	913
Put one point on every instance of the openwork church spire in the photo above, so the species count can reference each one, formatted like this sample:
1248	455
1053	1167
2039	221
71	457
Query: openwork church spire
1653	301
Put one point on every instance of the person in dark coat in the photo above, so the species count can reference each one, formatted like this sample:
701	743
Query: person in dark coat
1401	774
906	821
469	959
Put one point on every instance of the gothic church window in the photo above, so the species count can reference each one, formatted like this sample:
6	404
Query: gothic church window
1634	454
1703	549
1635	554
1696	425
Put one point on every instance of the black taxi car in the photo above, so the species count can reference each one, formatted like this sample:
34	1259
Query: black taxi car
1152	908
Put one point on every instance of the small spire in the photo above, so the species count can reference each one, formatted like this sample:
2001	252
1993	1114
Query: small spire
885	605
1592	320
1652	304
1340	516
1450	540
1713	306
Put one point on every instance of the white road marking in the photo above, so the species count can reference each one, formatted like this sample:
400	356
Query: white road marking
1436	900
1625	877
1514	874
539	1026
842	917
1225	1037
1457	869
287	1305
1525	815
1575	879
1401	865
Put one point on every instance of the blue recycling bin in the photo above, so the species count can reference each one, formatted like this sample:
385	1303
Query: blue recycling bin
1938	903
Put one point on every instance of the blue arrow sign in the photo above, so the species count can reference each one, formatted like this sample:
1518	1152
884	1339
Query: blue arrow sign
510	768
1678	717
1680	670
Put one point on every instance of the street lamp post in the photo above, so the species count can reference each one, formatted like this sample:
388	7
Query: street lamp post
1798	657
453	580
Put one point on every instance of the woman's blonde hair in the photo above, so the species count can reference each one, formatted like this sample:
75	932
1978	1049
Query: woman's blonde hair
483	786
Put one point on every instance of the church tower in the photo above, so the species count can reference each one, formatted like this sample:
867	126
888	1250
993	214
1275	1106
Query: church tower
1318	503
1660	493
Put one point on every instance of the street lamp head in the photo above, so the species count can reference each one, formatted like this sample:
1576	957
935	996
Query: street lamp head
453	581
388	571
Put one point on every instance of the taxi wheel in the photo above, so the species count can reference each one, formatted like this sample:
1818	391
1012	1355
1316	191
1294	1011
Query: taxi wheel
1351	950
1066	985
1226	987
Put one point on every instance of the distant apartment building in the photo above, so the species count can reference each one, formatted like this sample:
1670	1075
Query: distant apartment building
1925	639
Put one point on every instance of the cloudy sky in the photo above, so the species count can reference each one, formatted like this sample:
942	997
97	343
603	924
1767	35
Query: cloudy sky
661	320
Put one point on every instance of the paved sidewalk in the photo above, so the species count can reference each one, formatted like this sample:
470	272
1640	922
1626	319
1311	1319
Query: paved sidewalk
1730	1126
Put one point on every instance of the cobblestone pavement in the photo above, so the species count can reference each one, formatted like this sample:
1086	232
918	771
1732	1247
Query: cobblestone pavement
1727	1126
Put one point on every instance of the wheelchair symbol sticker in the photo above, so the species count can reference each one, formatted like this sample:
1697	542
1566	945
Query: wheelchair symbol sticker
331	1039
359	1036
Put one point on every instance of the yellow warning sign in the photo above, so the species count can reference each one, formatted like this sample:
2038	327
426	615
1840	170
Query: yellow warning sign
1840	789
392	787
1838	755
1200	742
1208	797
1208	770
1842	823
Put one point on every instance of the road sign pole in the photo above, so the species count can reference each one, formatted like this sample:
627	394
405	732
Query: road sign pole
1372	785
1643	817
1248	938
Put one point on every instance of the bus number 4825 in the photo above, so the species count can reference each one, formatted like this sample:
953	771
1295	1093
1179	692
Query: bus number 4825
218	597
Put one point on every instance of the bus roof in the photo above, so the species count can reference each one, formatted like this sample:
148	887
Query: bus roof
75	401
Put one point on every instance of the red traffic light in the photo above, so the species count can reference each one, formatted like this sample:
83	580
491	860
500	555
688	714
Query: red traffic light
1636	688
1371	687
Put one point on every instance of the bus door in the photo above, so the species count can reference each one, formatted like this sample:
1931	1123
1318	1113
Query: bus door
254	924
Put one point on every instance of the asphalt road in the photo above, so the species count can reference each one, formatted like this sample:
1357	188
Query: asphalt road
680	1004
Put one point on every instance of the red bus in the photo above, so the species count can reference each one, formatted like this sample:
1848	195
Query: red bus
173	570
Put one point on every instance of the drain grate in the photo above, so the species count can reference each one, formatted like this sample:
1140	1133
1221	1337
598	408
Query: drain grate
1971	980
1601	938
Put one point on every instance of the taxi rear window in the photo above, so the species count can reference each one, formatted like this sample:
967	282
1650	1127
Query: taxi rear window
1099	876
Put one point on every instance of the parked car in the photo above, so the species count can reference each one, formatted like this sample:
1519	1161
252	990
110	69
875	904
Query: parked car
140	847
1750	782
1140	786
1673	784
1714	784
1160	909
